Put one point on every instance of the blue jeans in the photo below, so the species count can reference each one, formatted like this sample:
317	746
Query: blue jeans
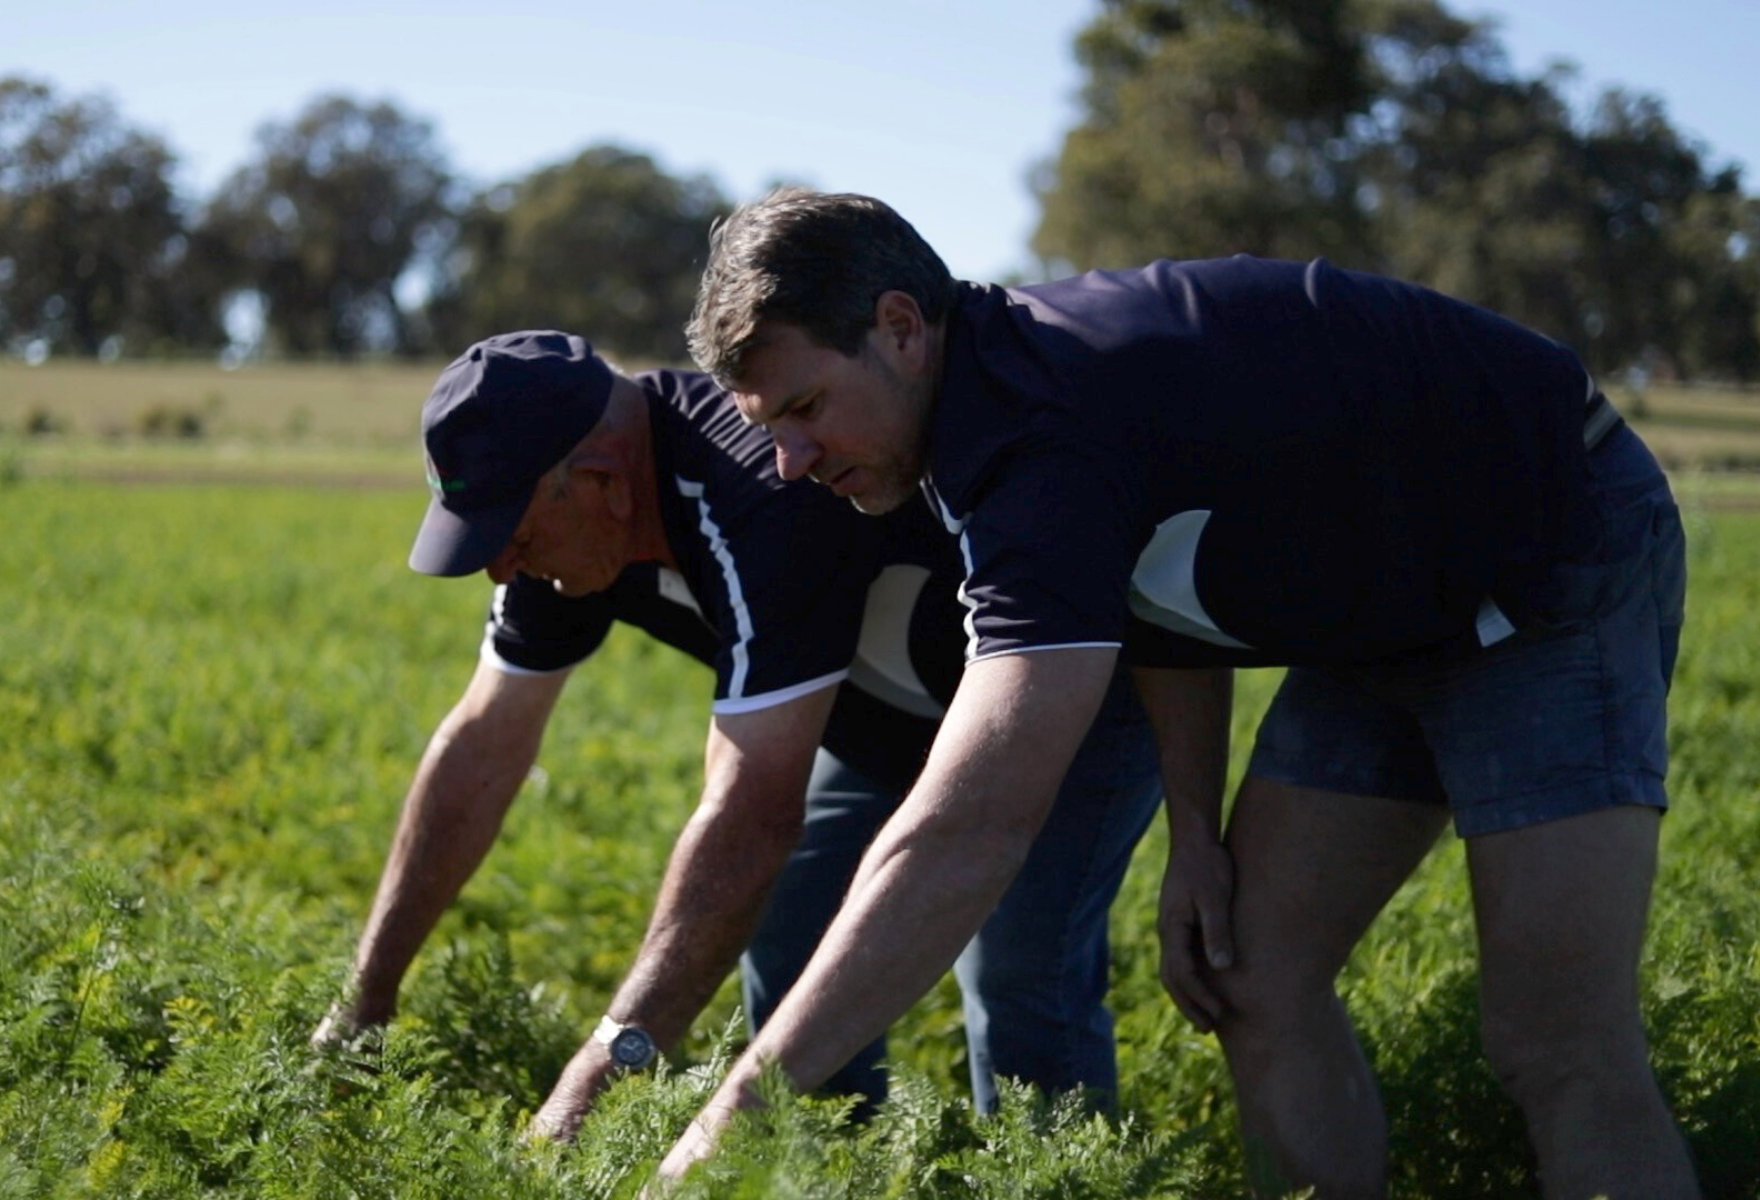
1034	979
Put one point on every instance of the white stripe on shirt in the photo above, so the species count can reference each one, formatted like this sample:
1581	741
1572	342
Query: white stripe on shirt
742	616
722	708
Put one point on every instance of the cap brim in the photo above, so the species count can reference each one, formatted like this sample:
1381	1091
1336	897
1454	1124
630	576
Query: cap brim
452	544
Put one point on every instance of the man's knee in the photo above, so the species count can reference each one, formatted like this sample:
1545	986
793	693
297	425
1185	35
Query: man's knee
1270	1000
1539	1052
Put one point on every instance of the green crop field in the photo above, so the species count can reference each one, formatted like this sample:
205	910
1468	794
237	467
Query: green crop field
212	695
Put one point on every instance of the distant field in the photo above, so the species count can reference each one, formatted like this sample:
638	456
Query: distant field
358	425
1710	429
367	404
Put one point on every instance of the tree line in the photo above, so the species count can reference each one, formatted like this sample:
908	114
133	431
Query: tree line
1390	135
346	232
1394	136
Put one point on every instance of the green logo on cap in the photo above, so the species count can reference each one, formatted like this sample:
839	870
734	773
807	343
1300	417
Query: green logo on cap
440	485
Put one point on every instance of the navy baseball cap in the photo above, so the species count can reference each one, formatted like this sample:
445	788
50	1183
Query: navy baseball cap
500	415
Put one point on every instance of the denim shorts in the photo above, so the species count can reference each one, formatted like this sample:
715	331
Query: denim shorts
1546	723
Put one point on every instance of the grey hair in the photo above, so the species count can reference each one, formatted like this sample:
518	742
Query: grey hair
816	260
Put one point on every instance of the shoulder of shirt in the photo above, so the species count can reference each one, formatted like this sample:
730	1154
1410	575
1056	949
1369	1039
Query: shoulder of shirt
673	385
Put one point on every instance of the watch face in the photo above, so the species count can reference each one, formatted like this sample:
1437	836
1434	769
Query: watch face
632	1048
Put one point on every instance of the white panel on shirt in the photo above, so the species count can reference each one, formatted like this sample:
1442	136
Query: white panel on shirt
1164	588
674	588
882	665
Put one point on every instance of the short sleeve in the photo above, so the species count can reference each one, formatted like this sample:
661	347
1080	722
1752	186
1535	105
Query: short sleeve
1049	547
532	627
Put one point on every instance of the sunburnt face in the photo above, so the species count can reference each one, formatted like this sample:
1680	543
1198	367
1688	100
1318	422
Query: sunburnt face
855	424
569	537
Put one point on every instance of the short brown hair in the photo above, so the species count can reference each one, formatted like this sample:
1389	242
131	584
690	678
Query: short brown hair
816	260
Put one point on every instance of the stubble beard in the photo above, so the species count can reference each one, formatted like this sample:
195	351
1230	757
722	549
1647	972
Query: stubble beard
898	479
882	500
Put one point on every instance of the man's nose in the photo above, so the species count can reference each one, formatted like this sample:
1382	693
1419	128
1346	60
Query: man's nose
795	454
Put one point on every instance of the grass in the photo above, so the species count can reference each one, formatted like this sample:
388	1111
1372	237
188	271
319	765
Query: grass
215	681
211	700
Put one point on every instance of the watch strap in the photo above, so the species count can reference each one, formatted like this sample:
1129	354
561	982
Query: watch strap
620	1038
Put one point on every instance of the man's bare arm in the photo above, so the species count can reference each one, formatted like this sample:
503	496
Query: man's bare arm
1190	713
722	869
467	779
935	871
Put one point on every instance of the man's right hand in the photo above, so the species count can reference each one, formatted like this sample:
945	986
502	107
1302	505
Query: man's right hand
336	1029
347	1020
588	1073
1196	894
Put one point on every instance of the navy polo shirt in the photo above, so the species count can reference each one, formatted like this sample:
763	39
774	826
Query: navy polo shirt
1248	461
782	588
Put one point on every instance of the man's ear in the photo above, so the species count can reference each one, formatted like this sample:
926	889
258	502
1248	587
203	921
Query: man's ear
903	332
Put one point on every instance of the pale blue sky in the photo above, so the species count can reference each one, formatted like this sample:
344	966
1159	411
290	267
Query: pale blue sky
941	107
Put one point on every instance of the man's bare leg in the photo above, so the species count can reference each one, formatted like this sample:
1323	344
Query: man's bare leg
1312	869
1561	909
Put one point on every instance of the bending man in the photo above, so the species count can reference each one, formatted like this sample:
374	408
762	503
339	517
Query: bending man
1473	567
591	498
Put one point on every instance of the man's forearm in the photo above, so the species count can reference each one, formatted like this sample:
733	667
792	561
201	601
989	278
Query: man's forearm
933	874
942	863
1190	711
722	869
450	819
721	872
469	774
925	887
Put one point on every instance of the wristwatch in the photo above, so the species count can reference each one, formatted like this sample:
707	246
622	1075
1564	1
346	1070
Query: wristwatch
631	1046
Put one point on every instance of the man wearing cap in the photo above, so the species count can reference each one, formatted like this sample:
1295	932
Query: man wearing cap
1474	570
588	498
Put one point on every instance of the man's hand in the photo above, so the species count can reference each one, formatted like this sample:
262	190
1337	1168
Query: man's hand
1195	939
697	1142
1190	710
336	1029
588	1073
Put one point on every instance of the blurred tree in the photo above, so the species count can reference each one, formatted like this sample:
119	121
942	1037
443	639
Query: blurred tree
337	207
606	245
1393	135
1476	179
1211	127
92	242
1644	178
1717	290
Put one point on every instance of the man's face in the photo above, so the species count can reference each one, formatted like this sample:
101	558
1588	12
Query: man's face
856	424
569	537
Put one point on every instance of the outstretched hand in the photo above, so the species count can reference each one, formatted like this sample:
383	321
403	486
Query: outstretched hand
1196	940
337	1029
588	1073
697	1142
